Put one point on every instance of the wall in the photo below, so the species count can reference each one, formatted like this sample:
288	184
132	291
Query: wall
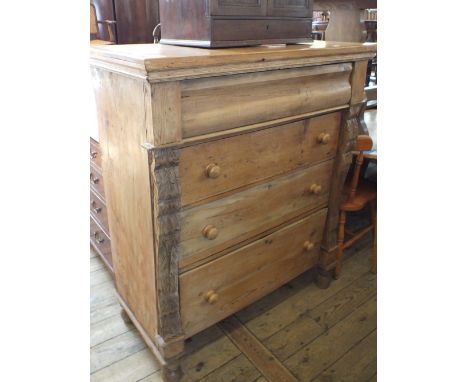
345	24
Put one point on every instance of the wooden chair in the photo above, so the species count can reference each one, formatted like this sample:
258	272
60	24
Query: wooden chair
359	193
94	29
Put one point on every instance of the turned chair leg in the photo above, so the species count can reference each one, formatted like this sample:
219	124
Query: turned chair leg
373	216
340	250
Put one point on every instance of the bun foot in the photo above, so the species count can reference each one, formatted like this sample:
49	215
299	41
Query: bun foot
323	279
172	373
124	316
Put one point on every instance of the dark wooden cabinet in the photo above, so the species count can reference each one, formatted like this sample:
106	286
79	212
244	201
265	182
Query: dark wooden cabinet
135	19
292	8
225	23
238	7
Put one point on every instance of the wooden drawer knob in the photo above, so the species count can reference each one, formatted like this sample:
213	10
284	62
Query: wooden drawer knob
98	237
213	171
96	209
211	296
210	232
94	179
323	138
308	245
93	154
315	189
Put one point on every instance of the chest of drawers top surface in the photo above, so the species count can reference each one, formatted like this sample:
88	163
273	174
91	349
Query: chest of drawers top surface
157	62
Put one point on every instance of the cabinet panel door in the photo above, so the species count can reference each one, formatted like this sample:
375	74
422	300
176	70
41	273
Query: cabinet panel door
295	8
239	7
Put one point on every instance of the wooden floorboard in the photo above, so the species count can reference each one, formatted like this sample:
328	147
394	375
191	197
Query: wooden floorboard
318	335
132	368
313	323
358	364
200	362
239	369
310	361
115	349
108	328
155	377
100	276
306	297
255	351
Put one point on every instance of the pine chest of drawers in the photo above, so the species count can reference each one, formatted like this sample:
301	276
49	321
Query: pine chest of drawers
223	173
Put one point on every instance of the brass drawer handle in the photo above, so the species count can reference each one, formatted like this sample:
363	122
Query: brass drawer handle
96	209
309	245
323	138
315	189
213	171
93	154
98	238
211	297
210	232
94	180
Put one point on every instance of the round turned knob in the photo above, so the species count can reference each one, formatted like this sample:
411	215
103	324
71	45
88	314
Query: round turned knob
93	178
323	138
308	245
213	171
97	237
96	209
211	296
315	189
210	232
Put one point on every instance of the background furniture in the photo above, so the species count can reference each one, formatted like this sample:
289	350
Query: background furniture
99	226
134	19
224	23
359	194
346	22
223	172
94	34
320	22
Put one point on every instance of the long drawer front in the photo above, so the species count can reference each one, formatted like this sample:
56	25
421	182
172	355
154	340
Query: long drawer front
96	181
101	242
219	166
95	153
260	29
98	209
223	286
214	226
222	103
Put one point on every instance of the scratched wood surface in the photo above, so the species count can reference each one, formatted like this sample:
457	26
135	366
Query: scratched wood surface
312	334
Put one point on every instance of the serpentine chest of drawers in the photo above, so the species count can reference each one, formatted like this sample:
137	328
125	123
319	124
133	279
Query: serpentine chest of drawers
223	172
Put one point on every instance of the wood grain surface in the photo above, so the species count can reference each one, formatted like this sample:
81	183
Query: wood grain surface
243	215
254	271
220	103
248	158
122	121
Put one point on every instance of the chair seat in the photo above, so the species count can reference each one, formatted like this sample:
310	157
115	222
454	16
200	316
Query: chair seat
101	42
366	192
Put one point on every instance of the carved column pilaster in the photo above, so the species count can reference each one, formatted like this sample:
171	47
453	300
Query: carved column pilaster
346	143
166	212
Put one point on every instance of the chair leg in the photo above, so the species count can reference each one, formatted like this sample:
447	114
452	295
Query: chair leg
373	217
341	236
